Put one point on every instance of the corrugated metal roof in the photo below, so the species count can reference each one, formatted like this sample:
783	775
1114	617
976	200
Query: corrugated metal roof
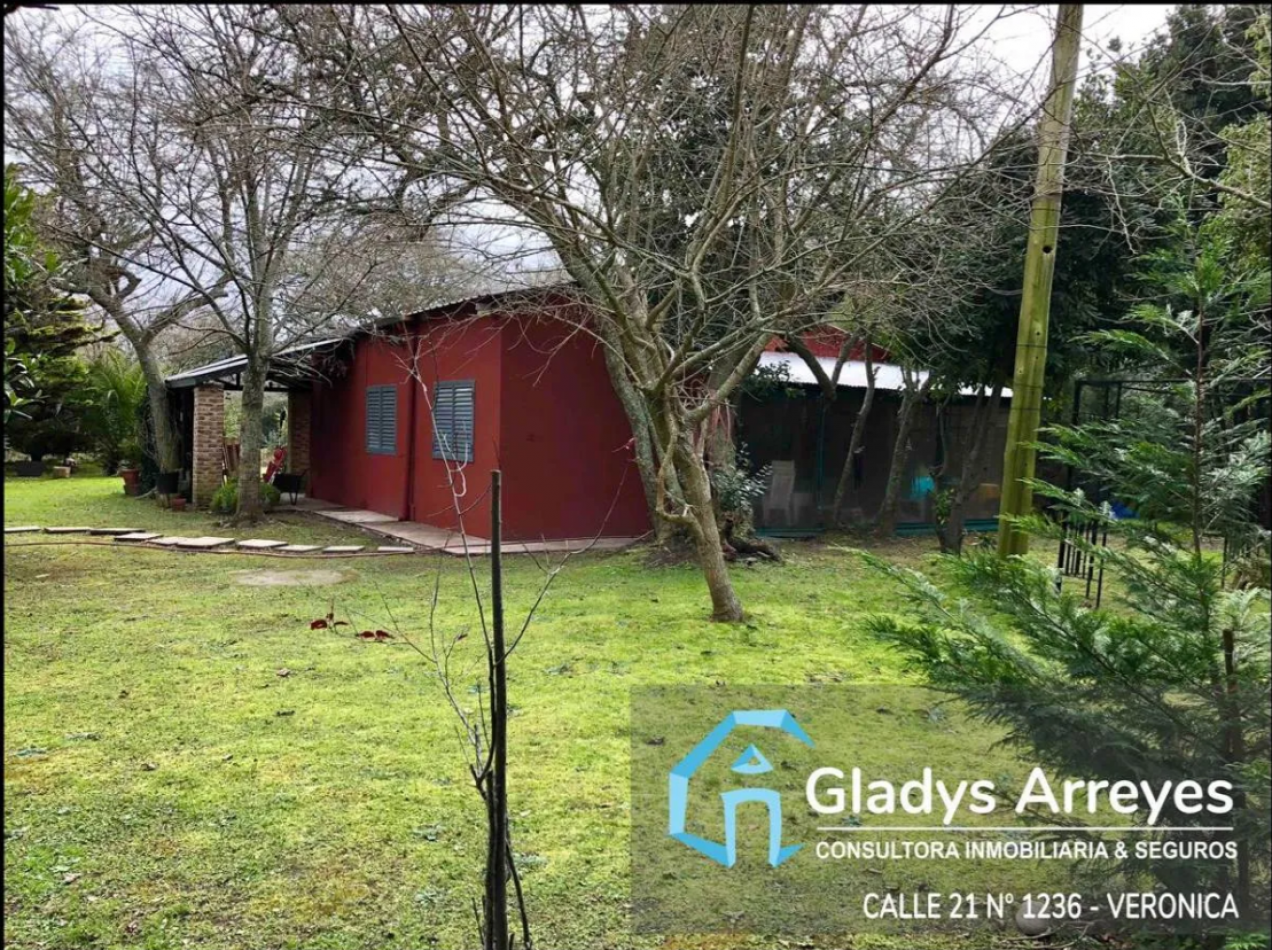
232	365
853	376
236	364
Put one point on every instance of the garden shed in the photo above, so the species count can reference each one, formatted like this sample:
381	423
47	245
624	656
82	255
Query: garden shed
785	423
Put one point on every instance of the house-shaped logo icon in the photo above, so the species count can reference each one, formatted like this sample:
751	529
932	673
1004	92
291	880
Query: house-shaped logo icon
750	762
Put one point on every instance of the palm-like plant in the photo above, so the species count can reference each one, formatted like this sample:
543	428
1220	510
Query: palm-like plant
117	390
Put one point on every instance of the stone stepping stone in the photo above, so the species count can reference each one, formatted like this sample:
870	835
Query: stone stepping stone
22	529
299	548
394	549
115	532
139	536
204	543
83	530
260	544
343	548
168	542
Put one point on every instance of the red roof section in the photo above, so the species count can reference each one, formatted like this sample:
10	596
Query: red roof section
826	342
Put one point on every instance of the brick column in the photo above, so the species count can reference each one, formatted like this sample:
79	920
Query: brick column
209	443
298	422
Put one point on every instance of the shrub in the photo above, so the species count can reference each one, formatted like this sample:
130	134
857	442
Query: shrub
738	488
225	501
116	388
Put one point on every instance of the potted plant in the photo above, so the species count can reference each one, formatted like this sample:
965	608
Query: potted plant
128	470
131	476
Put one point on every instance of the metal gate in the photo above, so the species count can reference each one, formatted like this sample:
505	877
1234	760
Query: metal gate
1100	400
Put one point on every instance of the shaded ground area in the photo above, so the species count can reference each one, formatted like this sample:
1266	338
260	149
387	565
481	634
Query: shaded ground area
187	763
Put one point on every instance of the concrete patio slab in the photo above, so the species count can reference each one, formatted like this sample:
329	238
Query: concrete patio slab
356	516
204	543
22	529
481	548
433	538
299	548
169	541
112	532
260	544
343	548
394	549
139	536
305	503
422	535
79	530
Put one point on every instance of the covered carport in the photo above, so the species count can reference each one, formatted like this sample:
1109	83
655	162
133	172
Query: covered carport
197	400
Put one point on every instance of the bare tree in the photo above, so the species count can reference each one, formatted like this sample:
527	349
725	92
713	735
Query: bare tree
56	101
707	176
1195	105
230	185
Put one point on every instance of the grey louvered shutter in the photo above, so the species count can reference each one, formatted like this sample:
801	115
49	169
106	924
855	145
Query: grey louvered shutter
454	415
373	420
382	420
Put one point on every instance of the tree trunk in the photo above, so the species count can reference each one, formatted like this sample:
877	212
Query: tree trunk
971	470
886	523
855	443
642	431
160	415
725	605
250	444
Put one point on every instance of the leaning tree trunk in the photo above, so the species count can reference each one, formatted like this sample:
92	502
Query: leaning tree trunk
643	436
160	414
251	441
855	442
692	472
886	523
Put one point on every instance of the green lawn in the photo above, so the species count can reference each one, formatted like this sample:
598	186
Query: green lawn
167	786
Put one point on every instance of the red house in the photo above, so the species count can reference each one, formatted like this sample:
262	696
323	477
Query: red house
400	420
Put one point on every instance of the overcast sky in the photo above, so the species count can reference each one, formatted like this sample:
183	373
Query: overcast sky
1020	42
1024	40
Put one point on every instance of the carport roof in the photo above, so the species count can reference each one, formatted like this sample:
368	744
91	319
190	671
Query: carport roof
285	366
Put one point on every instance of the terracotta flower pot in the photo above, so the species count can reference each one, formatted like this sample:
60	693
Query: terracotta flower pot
177	503
131	477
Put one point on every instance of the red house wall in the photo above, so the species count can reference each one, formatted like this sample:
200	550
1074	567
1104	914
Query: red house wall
465	348
565	439
341	468
545	413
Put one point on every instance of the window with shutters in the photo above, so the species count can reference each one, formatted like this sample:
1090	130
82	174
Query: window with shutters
382	420
453	415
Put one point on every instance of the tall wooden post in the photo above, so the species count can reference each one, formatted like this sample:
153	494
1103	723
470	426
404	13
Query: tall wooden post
1040	265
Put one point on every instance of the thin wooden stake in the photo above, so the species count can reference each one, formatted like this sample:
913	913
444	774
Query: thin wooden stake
497	873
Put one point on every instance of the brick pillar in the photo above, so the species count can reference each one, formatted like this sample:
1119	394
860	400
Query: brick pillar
209	443
298	421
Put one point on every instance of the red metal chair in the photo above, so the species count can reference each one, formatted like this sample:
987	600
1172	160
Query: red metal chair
275	465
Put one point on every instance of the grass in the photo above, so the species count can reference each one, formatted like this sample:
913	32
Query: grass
188	764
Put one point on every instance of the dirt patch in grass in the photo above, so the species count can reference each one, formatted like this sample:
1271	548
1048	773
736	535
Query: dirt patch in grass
312	578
